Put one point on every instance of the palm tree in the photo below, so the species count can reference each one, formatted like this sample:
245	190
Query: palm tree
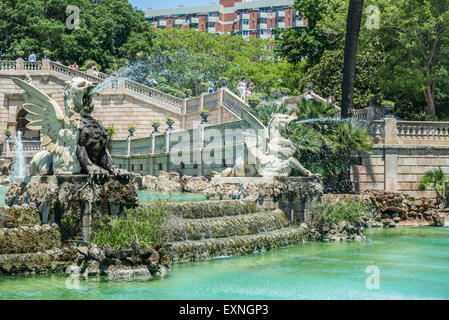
354	20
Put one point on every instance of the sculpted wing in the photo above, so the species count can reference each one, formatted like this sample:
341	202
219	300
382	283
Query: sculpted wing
43	114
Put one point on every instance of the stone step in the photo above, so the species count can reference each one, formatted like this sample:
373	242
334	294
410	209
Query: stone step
16	216
29	239
179	229
239	245
209	209
37	262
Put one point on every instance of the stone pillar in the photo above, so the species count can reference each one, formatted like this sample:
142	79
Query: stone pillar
19	64
202	101
391	131
45	65
390	170
184	113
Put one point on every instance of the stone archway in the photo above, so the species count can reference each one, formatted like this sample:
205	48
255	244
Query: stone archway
21	126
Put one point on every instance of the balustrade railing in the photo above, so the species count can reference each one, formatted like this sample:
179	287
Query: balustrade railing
7	65
423	130
32	65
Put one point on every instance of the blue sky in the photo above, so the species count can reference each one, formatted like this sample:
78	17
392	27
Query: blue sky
163	4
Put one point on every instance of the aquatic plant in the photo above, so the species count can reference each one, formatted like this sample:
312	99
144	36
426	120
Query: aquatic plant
142	225
348	209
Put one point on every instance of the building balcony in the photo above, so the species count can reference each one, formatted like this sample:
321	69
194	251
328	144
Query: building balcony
280	13
180	22
214	19
299	23
244	16
265	15
161	23
194	20
280	25
211	30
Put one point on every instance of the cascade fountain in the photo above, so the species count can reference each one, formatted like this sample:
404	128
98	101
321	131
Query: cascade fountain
18	166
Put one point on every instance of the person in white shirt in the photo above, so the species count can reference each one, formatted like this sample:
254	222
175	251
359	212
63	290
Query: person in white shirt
309	96
242	88
32	56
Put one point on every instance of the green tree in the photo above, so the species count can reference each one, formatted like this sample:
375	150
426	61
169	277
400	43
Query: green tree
436	180
327	76
415	34
109	30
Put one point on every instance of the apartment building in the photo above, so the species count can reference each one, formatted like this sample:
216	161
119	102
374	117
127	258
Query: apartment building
256	19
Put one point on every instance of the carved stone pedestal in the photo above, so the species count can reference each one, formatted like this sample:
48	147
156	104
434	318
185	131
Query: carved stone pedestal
72	200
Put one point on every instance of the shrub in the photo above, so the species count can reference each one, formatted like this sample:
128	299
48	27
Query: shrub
348	210
436	180
142	225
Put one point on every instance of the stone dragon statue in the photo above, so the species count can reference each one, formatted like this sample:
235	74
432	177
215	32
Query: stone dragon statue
75	142
278	159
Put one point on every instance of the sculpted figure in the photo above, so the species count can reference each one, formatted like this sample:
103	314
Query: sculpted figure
74	141
279	158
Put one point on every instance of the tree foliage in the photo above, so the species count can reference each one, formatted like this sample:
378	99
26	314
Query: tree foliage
109	30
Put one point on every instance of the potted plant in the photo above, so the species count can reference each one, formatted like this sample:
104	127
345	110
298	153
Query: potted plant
8	134
204	86
47	54
131	130
223	81
204	114
254	100
187	93
275	94
170	122
155	125
285	92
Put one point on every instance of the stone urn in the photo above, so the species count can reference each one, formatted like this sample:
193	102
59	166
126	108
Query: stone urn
155	126
131	132
204	115
170	123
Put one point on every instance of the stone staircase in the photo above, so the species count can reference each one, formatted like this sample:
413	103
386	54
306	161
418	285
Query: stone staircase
27	246
213	229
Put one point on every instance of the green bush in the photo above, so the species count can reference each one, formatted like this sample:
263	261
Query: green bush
436	180
348	210
142	225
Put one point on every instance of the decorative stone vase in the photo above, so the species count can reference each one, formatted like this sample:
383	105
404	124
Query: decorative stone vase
253	103
170	124
155	126
131	132
19	55
204	115
8	135
46	56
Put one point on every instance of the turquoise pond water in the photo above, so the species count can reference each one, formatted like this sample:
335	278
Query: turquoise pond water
144	196
413	264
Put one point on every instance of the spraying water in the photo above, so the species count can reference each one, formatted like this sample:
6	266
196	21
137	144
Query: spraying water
18	166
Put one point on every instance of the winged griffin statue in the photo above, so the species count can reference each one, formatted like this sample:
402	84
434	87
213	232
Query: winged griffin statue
74	141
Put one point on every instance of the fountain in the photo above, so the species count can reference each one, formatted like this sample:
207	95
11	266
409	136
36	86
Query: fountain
18	165
73	176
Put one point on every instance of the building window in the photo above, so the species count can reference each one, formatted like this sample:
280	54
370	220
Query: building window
245	22
211	25
245	32
263	20
280	19
265	10
160	166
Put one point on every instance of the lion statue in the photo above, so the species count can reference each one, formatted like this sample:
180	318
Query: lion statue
75	142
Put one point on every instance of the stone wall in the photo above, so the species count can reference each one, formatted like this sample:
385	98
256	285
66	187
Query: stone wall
124	103
402	152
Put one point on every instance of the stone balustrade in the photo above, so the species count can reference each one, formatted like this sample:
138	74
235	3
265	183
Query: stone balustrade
171	103
393	132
